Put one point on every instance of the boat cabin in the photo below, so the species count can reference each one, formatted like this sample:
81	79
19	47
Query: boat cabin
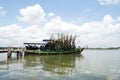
37	46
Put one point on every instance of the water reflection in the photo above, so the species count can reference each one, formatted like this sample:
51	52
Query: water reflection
55	64
11	64
4	65
91	65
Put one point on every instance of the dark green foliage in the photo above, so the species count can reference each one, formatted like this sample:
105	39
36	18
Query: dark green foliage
61	43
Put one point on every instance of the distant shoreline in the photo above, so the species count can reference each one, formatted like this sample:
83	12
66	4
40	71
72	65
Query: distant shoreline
110	48
102	48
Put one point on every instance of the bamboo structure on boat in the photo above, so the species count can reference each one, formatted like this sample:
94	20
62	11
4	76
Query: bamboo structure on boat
61	43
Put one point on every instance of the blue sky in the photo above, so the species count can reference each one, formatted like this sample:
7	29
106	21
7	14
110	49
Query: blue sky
80	14
76	11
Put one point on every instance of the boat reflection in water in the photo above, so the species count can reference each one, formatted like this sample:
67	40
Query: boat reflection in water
94	65
54	64
33	67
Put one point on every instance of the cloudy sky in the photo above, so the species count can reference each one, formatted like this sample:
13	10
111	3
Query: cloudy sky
95	22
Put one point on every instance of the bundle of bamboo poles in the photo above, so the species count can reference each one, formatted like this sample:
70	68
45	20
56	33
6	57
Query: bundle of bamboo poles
61	43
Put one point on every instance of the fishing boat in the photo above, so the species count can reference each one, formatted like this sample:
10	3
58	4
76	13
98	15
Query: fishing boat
40	52
63	44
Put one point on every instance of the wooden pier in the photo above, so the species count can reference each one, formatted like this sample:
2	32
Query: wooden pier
9	51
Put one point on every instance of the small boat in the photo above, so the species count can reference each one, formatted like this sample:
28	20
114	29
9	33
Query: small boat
39	52
64	44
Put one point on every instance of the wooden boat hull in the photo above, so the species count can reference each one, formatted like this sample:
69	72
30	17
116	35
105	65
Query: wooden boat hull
38	52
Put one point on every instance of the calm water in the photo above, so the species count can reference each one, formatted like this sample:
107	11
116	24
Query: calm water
91	65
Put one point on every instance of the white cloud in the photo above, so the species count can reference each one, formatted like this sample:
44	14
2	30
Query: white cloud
9	34
32	14
93	34
118	19
2	12
57	25
107	19
108	2
51	14
102	33
15	35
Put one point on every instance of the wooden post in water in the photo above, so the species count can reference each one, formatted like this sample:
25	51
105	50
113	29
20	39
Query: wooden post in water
19	52
9	54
